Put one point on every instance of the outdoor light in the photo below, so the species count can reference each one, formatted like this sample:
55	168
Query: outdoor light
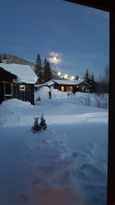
72	78
59	73
65	76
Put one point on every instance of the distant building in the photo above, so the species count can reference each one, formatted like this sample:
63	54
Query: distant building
69	85
66	85
17	81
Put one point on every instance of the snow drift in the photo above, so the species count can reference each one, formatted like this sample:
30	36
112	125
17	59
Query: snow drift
65	164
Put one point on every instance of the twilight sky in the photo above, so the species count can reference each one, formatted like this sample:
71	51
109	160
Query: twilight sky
73	37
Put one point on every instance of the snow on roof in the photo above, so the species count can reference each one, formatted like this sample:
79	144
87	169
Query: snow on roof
24	73
49	83
69	82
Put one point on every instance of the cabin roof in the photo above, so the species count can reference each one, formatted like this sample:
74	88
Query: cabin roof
49	83
68	82
24	73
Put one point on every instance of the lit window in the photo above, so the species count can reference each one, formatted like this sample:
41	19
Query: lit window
62	88
22	87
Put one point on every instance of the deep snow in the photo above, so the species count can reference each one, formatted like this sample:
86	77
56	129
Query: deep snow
65	164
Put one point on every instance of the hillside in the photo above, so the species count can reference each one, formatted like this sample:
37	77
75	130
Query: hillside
8	58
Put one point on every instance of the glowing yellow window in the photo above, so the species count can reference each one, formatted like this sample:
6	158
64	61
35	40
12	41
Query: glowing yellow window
62	88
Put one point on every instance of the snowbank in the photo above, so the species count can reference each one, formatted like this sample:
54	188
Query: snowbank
89	99
43	93
11	111
65	163
14	103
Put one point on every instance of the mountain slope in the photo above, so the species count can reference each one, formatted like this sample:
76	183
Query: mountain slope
8	58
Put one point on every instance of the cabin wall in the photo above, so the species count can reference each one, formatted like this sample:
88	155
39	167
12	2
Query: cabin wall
5	91
67	88
1	93
10	90
26	94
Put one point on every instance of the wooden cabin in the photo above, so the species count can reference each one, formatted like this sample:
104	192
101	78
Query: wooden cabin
66	85
17	81
69	86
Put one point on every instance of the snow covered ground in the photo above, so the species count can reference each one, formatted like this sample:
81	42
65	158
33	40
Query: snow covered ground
66	163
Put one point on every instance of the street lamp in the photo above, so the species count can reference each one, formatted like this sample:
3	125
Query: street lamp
72	77
65	76
59	73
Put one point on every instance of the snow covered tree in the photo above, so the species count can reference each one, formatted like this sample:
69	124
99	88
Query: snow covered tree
39	126
36	126
43	123
47	71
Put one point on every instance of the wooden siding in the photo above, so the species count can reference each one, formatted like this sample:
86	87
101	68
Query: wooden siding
1	92
9	89
26	95
68	88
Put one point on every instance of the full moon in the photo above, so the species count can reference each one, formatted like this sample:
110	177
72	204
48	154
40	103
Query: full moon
55	58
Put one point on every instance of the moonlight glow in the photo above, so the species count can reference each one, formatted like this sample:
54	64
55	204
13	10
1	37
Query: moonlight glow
55	58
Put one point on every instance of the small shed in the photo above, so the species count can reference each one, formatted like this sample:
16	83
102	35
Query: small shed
17	81
69	85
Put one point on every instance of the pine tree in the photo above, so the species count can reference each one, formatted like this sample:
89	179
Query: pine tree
92	77
0	58
43	123
77	77
87	76
38	126
88	79
38	69
92	83
47	71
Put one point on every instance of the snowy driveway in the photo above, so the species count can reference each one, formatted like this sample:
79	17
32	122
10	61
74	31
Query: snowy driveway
65	164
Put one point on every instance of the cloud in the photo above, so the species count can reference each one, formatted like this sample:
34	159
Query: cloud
55	57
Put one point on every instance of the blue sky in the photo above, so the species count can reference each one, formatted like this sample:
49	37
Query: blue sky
73	37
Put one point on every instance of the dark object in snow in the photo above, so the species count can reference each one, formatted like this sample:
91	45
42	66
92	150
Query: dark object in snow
50	95
36	126
38	99
39	126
